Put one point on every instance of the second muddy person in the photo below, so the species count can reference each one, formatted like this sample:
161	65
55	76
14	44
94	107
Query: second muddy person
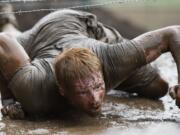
70	59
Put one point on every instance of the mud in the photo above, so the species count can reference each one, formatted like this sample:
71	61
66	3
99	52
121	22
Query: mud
121	114
125	115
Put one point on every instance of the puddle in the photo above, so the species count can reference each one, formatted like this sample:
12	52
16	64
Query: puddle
121	114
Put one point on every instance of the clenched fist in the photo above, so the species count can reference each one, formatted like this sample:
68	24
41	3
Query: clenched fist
175	94
13	111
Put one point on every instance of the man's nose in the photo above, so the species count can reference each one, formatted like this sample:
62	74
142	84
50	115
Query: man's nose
95	99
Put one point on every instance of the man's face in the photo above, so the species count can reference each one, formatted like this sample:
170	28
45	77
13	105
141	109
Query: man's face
88	94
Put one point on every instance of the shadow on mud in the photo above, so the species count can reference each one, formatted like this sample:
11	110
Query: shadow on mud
121	114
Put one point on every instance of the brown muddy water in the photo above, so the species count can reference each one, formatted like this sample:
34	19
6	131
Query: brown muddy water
121	115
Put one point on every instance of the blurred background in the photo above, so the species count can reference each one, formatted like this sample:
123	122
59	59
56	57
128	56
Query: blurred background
130	17
121	114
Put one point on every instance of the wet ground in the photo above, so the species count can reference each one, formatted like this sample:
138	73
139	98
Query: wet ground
121	114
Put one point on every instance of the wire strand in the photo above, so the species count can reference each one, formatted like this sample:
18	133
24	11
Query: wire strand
73	7
13	1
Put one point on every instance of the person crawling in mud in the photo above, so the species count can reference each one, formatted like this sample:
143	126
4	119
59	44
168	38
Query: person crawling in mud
70	59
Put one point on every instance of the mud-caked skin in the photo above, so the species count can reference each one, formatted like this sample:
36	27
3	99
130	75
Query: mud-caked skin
175	94
160	41
32	81
88	94
13	111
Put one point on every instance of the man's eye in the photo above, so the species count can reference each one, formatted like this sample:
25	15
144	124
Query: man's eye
98	87
82	93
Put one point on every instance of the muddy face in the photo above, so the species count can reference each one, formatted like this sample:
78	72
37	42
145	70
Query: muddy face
88	94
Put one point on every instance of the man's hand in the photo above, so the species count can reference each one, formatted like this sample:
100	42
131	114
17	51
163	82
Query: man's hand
13	111
175	94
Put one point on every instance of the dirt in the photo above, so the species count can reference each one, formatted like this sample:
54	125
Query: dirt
121	113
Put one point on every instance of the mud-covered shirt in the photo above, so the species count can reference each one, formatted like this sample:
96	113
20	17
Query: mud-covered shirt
67	29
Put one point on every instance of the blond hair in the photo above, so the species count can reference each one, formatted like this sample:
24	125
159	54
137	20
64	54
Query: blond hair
75	63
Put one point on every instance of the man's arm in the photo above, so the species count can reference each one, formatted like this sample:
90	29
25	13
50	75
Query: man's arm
156	42
12	57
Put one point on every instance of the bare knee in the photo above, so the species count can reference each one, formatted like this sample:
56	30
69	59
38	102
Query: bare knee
156	89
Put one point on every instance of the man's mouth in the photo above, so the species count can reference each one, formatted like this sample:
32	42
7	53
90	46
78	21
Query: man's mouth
96	109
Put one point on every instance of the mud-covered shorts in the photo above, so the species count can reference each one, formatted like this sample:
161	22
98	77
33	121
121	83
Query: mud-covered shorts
139	79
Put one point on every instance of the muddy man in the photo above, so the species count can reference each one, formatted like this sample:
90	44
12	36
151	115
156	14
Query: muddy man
70	59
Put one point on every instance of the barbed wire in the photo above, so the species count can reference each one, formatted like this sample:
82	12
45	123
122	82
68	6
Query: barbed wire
73	7
12	1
